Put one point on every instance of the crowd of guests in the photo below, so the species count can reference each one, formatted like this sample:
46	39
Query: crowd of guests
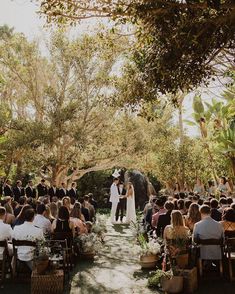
39	213
191	216
221	185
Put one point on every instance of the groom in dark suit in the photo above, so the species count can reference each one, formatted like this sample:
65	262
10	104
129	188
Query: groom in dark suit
122	202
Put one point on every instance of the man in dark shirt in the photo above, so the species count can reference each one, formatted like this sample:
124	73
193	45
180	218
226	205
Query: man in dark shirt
164	219
215	213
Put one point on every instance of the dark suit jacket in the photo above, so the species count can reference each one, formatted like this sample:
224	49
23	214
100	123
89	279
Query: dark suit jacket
163	221
31	192
42	190
72	194
85	212
17	193
63	193
216	214
53	193
8	191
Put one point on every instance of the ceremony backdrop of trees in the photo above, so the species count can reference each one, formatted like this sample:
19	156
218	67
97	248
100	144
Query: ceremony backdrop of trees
115	99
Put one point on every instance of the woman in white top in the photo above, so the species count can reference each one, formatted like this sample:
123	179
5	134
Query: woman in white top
199	187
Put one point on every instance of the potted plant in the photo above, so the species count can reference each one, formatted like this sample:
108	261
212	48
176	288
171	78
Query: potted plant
166	281
148	252
41	258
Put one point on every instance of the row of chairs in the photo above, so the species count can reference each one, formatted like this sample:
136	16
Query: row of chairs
61	252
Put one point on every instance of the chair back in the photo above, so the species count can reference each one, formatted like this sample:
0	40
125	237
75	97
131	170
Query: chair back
68	236
219	242
230	242
229	234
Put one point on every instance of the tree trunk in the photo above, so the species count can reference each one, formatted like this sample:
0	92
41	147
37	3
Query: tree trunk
181	129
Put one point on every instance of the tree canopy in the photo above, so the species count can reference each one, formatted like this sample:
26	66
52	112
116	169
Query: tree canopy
178	42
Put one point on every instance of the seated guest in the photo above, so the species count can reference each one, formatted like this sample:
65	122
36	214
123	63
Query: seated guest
9	218
193	216
20	219
40	221
85	211
175	231
215	213
27	231
48	214
187	204
149	214
223	204
161	210
208	228
164	219
89	226
229	201
22	202
181	207
62	224
228	219
92	201
66	202
233	206
90	207
78	219
5	230
54	209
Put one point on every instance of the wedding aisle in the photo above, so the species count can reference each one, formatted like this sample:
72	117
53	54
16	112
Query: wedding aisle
115	271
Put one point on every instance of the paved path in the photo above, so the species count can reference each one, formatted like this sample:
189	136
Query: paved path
116	269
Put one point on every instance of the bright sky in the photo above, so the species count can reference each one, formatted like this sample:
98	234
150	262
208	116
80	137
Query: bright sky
21	14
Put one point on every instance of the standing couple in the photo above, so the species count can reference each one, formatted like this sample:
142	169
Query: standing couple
117	199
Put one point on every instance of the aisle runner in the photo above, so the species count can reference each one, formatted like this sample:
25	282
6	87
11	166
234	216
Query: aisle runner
115	271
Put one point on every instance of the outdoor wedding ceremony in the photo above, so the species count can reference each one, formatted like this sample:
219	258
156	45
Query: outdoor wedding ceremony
117	146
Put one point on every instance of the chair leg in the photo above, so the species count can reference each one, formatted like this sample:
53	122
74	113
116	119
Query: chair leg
221	268
200	267
230	270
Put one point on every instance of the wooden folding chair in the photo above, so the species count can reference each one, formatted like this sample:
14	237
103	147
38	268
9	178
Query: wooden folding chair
68	237
25	271
218	242
5	262
230	254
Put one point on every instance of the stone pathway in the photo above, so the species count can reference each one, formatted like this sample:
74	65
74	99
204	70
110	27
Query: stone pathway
116	269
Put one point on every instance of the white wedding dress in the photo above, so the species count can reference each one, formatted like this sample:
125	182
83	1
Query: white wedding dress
130	207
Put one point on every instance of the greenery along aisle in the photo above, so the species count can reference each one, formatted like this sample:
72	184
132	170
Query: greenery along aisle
115	270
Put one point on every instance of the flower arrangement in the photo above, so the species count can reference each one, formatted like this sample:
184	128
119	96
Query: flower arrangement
88	243
147	248
99	228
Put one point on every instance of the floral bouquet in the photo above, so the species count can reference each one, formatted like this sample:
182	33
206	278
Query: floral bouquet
88	243
99	228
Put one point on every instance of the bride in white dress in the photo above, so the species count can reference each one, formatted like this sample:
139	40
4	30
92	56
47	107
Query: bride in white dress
130	204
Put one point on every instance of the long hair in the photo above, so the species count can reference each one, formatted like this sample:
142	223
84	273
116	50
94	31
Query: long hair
76	211
177	219
193	213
